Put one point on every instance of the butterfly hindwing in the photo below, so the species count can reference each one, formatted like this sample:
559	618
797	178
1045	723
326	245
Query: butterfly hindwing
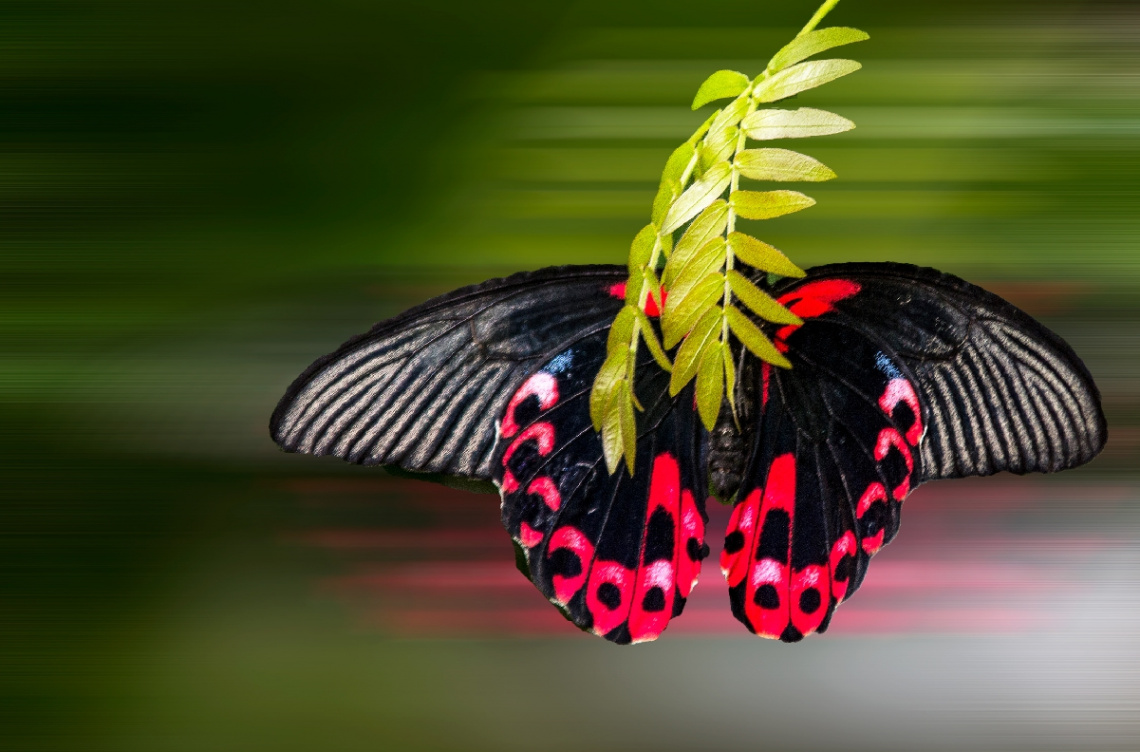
832	461
618	554
423	390
899	375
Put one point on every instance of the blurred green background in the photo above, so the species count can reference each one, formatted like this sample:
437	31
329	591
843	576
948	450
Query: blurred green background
198	198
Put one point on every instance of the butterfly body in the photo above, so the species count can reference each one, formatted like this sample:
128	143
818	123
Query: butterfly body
900	375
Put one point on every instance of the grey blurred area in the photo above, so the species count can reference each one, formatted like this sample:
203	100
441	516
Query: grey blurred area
199	199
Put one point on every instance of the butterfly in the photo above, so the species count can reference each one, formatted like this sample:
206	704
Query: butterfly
900	375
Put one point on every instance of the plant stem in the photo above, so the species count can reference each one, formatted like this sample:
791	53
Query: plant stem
819	14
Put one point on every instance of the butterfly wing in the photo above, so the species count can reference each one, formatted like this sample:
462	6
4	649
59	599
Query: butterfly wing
900	375
493	382
618	554
424	390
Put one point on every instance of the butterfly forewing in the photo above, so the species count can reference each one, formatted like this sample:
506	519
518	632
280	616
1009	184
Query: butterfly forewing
423	390
617	553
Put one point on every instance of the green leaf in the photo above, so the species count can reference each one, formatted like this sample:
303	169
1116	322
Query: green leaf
678	319
719	147
633	285
698	196
704	228
667	192
654	287
720	85
729	375
700	132
753	338
768	204
688	359
628	431
651	341
780	164
764	257
729	116
766	125
760	302
792	81
813	43
612	444
708	260
621	331
678	161
611	372
641	249
710	387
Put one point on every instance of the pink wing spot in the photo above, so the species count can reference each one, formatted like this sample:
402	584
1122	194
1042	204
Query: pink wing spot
888	438
651	611
617	291
545	488
843	548
572	540
543	433
542	385
766	596
692	538
811	597
738	543
509	484
814	299
900	390
608	595
529	536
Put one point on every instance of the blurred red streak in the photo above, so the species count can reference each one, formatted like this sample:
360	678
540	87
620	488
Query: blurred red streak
919	576
436	538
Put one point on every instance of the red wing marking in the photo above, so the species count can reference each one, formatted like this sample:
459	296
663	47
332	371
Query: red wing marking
572	540
842	565
542	385
543	433
900	390
608	595
875	494
652	605
811	597
693	536
529	536
734	557
811	300
668	562
888	438
765	375
509	484
545	488
652	305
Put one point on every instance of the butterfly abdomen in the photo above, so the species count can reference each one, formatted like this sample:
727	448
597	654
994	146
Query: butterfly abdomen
731	438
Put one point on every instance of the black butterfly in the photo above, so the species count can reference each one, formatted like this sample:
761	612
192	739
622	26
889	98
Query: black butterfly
901	375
